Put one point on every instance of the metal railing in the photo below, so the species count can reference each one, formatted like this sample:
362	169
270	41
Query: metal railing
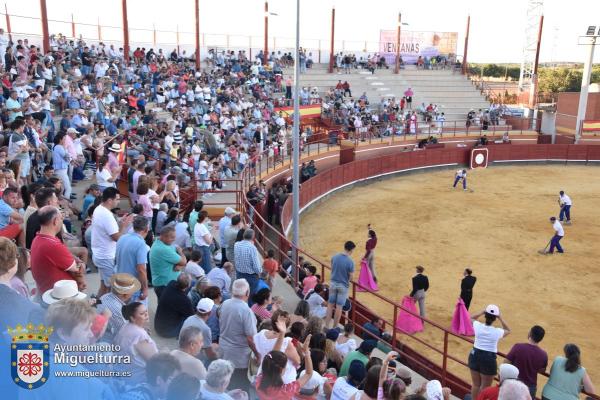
450	366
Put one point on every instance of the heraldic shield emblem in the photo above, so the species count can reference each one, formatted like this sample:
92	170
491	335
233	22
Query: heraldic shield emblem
30	355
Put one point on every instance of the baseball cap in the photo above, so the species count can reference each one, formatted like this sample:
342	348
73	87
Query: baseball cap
357	371
205	305
332	334
493	309
367	346
229	211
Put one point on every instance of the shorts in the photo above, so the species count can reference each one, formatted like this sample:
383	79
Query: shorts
338	294
25	167
483	362
106	268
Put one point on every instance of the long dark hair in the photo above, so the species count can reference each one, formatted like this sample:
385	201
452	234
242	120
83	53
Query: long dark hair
272	366
573	355
372	381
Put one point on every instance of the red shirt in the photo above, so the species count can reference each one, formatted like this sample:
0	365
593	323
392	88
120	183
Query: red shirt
271	266
285	392
50	259
489	393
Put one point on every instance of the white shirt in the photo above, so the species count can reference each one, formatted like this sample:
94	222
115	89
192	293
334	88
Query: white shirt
461	174
102	178
194	269
103	226
200	230
342	390
566	200
487	337
558	228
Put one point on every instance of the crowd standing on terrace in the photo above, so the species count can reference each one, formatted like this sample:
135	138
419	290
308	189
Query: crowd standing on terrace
79	115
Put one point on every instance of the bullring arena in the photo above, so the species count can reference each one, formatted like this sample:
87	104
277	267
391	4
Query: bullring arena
496	230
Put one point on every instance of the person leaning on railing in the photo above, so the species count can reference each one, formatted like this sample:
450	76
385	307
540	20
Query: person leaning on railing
567	377
482	358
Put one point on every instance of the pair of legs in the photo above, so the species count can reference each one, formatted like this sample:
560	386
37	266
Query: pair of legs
565	211
483	368
338	293
371	264
464	182
106	268
420	298
555	243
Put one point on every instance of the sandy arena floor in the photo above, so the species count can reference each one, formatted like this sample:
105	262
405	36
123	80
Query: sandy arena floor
496	230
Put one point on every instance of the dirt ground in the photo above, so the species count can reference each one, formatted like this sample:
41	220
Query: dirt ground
496	230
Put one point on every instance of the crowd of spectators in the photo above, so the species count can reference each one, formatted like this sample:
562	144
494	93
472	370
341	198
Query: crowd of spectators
81	113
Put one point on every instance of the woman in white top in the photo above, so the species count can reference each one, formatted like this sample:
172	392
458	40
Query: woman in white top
345	343
135	341
482	359
202	241
106	178
264	341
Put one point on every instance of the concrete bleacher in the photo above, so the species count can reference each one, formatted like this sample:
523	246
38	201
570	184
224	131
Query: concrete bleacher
454	94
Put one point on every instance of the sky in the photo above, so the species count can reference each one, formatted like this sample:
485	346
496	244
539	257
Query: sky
496	34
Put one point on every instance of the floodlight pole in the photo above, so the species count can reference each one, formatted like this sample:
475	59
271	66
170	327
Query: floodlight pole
397	68
465	69
45	32
331	56
197	12
296	149
585	85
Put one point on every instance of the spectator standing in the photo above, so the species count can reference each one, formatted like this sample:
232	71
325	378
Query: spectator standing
247	263
105	233
61	161
203	240
466	287
225	223
482	359
529	358
420	284
43	197
567	376
198	320
132	256
174	306
238	327
51	260
342	268
231	235
166	260
190	345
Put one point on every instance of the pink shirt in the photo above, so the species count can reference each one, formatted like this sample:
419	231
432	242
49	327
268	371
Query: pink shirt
144	201
309	284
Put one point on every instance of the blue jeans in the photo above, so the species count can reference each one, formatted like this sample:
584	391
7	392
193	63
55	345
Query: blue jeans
565	211
555	242
206	258
338	293
464	181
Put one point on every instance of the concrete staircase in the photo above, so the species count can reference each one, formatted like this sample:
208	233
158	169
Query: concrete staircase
452	92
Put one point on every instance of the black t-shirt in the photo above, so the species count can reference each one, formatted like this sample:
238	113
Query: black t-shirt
173	308
32	228
86	59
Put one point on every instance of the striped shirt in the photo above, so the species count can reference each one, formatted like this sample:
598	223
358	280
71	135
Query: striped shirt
246	258
116	321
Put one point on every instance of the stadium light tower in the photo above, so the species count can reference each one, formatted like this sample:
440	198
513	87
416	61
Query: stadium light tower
296	148
591	39
528	63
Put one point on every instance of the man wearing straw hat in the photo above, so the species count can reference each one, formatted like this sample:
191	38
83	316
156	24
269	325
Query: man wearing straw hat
122	288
